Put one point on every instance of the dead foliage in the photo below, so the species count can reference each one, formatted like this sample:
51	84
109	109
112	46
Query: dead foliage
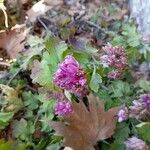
13	40
82	129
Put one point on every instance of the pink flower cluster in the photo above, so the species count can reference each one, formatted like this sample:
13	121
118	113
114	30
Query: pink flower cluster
140	107
145	100
134	143
71	77
115	57
63	108
122	114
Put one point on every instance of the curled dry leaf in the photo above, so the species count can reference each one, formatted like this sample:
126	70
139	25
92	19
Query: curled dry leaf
82	129
13	41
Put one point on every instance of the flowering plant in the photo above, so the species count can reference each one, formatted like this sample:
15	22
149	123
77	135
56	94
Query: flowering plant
64	93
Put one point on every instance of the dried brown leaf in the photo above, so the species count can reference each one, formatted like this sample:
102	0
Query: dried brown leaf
84	128
13	41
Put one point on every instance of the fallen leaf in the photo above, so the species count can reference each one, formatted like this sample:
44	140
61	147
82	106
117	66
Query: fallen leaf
13	40
82	129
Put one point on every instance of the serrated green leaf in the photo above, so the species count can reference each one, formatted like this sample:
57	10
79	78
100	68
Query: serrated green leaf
46	112
117	146
95	81
122	132
120	88
34	41
61	47
42	74
19	127
12	98
30	100
144	84
143	130
47	107
50	45
22	129
5	117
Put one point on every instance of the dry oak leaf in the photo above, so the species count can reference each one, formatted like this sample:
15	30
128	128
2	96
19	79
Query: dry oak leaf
83	128
13	40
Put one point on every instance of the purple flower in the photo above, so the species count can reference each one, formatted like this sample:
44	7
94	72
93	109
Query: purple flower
135	144
145	99
141	108
136	109
114	57
63	108
69	76
122	114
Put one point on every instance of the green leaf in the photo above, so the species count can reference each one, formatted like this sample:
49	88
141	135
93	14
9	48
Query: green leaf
95	81
36	47
118	40
46	112
120	88
19	127
90	50
117	146
143	130
22	129
122	132
30	100
42	74
14	103
34	41
53	147
50	45
82	58
5	145
5	117
61	47
144	84
12	145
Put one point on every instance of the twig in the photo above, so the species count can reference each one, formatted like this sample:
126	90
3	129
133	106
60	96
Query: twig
14	76
3	8
94	25
48	32
42	23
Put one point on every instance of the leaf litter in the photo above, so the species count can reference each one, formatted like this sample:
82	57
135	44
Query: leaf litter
82	129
